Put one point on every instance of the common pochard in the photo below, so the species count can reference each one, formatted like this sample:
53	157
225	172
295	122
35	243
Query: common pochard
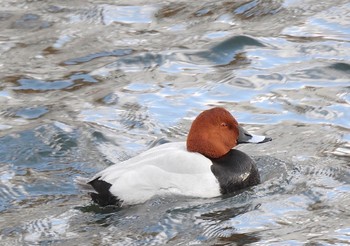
205	166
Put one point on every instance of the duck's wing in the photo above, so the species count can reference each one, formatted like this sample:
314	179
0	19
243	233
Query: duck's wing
166	169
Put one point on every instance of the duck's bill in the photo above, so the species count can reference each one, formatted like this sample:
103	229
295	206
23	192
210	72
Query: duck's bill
246	137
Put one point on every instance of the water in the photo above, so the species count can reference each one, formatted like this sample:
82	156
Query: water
85	84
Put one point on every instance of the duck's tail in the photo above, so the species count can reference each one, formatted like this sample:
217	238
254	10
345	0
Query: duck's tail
98	190
103	197
83	184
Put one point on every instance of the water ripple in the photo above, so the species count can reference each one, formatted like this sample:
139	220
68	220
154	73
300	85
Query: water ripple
90	57
87	85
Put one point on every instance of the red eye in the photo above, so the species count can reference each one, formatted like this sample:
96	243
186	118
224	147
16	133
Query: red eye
224	124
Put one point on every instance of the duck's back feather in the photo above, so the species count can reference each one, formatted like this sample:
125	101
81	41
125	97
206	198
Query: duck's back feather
162	170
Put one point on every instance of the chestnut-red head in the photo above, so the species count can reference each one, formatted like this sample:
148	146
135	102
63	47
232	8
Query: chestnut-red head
213	133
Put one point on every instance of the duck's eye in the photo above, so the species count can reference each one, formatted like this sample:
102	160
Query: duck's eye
224	124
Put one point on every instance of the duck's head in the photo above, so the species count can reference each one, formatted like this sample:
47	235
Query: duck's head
215	132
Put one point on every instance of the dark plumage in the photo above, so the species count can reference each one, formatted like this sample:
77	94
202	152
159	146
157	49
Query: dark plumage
235	171
103	197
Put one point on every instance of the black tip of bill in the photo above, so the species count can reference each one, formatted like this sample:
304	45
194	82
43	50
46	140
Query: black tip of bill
245	137
267	139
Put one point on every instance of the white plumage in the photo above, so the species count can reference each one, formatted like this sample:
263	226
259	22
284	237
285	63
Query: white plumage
162	170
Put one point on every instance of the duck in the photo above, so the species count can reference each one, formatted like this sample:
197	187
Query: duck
206	165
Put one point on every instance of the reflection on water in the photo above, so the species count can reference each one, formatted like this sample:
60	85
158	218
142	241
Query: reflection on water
87	84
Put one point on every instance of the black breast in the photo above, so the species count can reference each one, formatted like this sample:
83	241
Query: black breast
235	171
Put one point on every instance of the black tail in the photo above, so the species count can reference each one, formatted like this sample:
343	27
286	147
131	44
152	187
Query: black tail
103	197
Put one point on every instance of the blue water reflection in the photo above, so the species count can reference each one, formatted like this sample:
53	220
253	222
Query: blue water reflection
84	85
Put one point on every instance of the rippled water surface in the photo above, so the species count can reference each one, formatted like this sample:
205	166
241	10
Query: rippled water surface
84	84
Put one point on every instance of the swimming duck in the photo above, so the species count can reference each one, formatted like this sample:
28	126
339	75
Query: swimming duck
205	166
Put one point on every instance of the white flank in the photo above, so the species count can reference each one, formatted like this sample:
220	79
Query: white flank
162	170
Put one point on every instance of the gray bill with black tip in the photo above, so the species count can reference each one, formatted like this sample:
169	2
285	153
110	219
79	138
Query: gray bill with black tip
246	137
